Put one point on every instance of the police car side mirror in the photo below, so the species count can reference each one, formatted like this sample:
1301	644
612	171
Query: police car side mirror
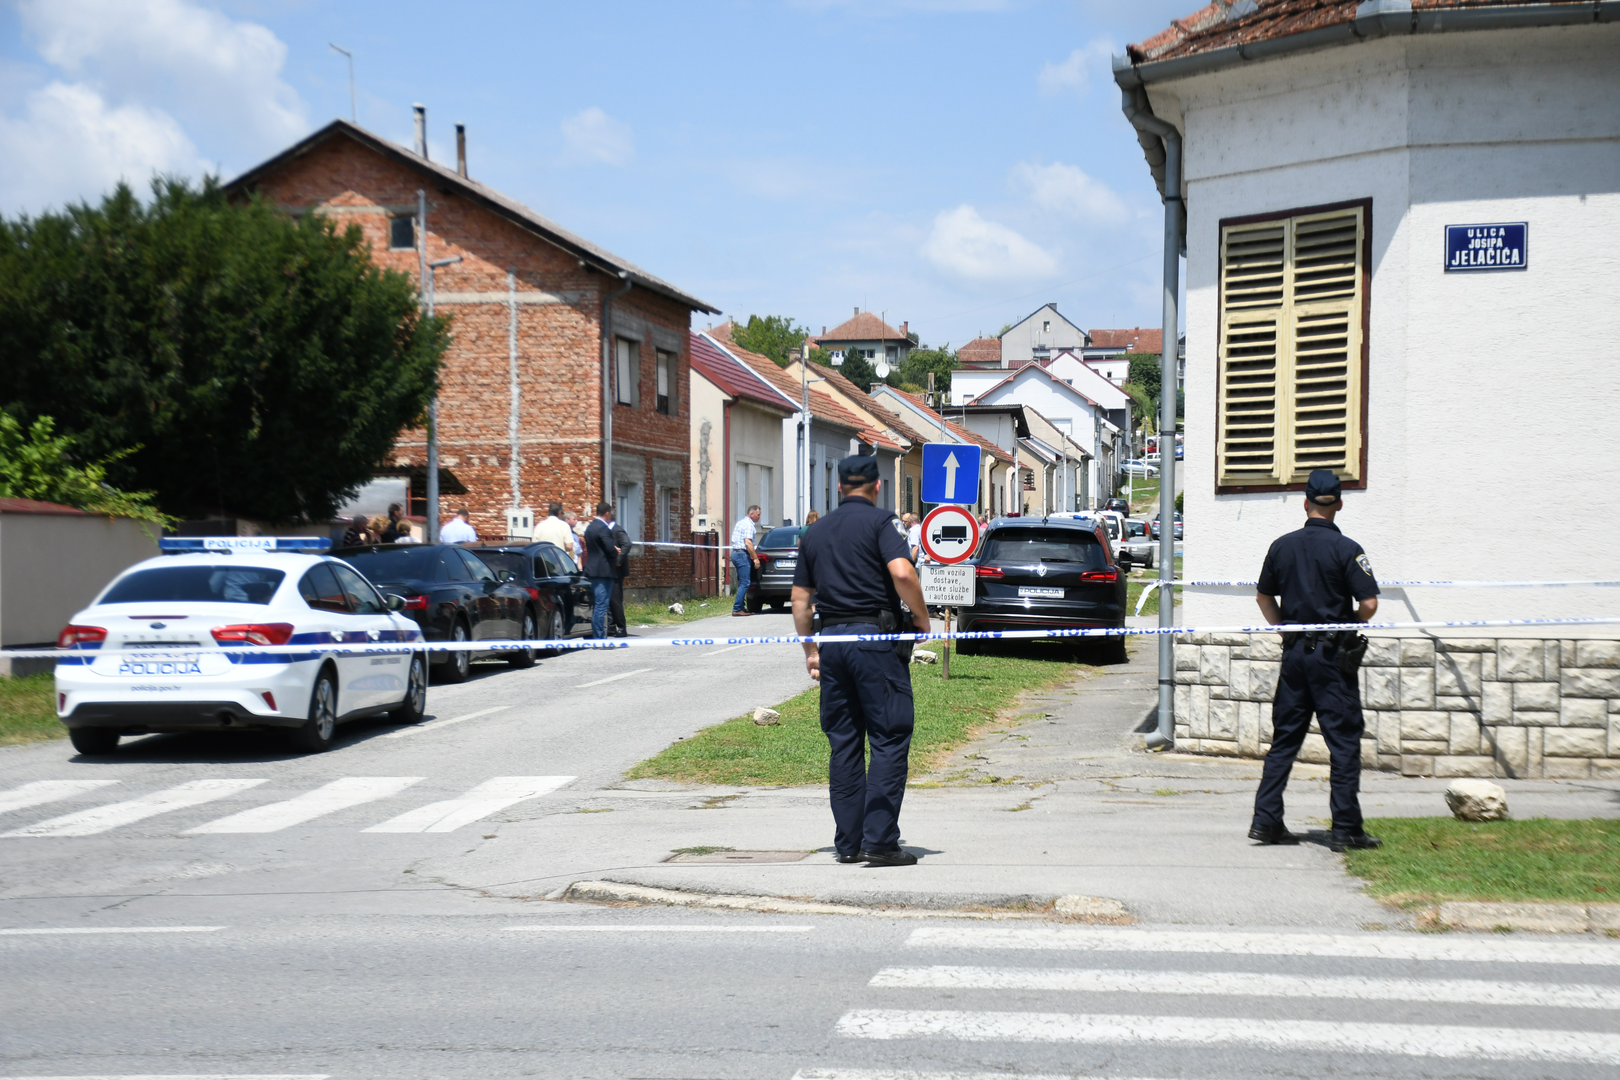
396	602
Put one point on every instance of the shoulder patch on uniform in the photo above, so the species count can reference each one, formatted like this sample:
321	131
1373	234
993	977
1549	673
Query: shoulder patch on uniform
899	526
1365	564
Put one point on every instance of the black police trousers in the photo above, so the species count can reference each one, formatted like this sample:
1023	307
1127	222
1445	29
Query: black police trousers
865	698
1312	682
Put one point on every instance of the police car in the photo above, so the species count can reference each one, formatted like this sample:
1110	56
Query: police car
235	633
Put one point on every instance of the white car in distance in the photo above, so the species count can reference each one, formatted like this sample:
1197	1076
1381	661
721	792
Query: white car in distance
1138	467
229	633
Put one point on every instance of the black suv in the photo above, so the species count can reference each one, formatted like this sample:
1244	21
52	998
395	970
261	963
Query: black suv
453	595
1118	505
1040	573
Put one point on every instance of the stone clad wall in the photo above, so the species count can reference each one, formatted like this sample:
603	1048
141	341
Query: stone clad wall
1515	707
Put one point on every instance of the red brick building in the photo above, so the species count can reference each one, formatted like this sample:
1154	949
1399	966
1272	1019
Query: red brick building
592	349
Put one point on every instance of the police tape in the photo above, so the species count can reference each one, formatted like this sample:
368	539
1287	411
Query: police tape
311	649
1159	583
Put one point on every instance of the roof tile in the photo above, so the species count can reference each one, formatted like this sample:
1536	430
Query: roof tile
865	326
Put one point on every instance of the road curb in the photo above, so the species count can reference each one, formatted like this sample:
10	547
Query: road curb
1528	918
1083	909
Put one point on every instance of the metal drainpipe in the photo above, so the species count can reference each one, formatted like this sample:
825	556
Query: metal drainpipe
515	404
607	384
1144	121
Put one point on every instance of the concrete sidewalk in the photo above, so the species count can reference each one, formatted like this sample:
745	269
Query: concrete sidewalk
1061	800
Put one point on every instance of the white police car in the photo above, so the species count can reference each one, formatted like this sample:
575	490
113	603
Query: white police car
236	632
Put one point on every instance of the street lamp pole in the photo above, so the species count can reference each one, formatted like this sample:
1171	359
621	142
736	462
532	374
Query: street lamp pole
426	269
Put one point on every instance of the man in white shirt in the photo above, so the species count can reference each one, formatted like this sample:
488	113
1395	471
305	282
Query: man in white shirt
458	530
914	536
743	557
554	530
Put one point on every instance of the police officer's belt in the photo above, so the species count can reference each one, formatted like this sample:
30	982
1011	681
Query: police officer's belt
830	618
1349	645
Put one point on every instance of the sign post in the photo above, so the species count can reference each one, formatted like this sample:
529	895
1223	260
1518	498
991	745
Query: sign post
950	534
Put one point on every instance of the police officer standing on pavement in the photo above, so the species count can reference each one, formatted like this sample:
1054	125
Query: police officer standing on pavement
856	568
1320	576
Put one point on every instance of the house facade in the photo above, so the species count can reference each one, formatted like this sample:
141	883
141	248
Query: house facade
1376	196
1037	335
736	424
567	367
868	335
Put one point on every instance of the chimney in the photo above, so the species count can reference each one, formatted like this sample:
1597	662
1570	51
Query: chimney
461	149
823	329
903	331
857	309
421	130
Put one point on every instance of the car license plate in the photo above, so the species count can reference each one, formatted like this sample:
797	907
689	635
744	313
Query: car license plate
787	564
1046	593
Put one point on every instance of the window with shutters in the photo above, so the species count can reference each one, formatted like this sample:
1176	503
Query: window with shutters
1292	356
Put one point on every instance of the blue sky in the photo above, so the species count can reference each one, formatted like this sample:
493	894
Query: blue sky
954	163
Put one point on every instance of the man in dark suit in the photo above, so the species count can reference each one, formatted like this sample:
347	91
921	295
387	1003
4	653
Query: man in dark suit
621	570
601	556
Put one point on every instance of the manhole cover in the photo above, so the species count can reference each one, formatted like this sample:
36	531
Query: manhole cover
737	856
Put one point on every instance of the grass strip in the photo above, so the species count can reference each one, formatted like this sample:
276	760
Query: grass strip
794	752
26	713
658	614
1425	860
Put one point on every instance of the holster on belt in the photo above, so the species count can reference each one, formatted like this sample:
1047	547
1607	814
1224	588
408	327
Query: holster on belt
889	623
1348	646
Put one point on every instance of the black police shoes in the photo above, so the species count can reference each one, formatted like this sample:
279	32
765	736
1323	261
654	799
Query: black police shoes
897	857
849	858
1273	834
1360	841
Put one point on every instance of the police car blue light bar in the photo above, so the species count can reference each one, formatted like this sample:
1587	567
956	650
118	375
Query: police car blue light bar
308	545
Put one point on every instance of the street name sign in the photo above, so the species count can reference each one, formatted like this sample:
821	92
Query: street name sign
950	473
1502	246
946	586
949	534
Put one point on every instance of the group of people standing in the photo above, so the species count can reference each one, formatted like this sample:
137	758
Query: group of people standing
396	528
601	547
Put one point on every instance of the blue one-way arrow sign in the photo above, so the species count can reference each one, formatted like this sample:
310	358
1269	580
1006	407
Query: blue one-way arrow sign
950	473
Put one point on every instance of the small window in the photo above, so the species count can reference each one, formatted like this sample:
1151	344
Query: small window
668	367
626	372
666	514
362	598
909	490
321	591
402	232
1046	326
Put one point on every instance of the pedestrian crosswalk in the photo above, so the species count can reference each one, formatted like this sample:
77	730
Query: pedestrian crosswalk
1155	996
345	793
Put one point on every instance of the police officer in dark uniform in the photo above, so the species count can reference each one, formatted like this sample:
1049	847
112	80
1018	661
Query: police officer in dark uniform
856	567
1321	576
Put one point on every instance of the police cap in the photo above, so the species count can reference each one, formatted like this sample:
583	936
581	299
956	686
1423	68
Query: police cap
1322	488
858	470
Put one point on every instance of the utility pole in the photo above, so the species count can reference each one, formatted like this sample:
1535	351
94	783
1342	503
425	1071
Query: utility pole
426	270
354	108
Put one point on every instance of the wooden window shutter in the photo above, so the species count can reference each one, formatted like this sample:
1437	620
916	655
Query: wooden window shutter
1290	349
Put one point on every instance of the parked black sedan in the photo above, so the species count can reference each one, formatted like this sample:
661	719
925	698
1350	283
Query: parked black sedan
772	583
1038	573
549	575
454	596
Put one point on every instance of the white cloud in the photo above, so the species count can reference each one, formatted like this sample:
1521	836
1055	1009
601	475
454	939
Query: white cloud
594	136
1067	190
202	66
1074	73
964	243
69	144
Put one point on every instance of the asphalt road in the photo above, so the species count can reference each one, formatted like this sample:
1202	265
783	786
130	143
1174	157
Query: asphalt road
214	906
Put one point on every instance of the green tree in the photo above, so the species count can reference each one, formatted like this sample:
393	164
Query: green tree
257	364
913	372
857	368
773	336
37	464
1144	372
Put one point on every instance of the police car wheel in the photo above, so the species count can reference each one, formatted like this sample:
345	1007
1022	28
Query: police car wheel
754	603
316	733
411	710
1111	650
457	663
92	741
525	658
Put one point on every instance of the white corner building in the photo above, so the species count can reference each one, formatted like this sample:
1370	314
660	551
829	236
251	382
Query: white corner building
1402	240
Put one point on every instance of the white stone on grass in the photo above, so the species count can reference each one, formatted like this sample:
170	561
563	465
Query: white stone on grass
1477	800
765	717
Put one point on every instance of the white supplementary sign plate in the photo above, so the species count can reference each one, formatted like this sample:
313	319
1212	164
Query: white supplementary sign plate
947	586
1044	593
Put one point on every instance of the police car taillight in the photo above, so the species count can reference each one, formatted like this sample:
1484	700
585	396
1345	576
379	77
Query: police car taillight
254	634
80	635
